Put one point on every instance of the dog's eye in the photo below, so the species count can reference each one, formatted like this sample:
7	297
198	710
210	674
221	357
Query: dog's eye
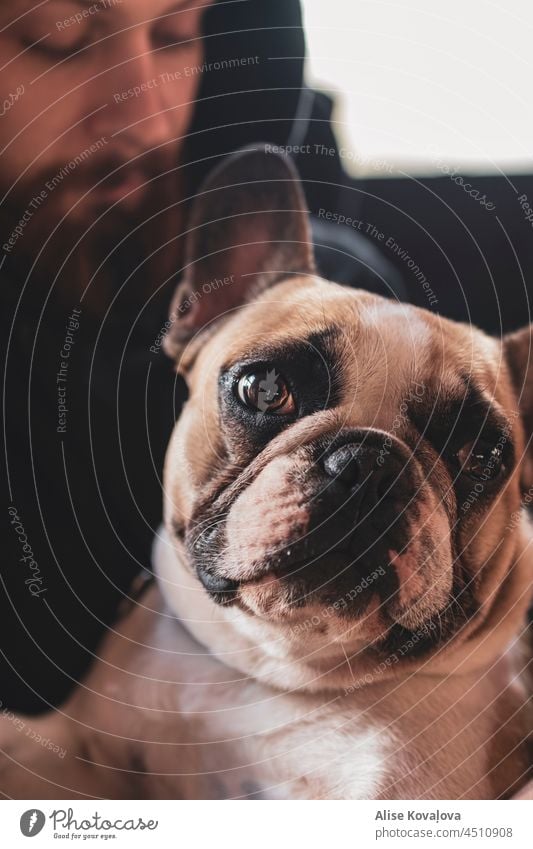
265	391
481	460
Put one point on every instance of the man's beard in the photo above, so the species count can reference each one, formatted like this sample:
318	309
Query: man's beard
66	230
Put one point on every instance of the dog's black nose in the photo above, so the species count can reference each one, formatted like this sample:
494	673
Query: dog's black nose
362	468
344	464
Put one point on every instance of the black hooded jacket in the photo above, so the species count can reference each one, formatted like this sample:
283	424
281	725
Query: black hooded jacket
81	506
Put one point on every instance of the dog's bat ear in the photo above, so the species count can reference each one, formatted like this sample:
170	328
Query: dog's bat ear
249	227
518	348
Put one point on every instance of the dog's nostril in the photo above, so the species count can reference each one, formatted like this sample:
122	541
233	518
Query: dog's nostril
384	485
217	584
343	464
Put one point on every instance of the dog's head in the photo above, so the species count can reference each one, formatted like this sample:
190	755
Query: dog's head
345	479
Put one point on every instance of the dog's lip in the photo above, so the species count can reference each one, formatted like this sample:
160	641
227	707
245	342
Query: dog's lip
226	585
279	568
285	565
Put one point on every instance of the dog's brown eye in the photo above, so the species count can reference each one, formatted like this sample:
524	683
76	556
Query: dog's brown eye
266	392
481	461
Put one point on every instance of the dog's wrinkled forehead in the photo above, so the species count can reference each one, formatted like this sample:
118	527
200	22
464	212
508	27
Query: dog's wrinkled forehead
371	354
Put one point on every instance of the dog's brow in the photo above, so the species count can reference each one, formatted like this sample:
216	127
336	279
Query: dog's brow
462	409
322	341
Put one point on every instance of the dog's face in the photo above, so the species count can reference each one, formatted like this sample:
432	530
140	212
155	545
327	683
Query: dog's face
346	469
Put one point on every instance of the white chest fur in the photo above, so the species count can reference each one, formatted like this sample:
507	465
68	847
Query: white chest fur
253	740
422	735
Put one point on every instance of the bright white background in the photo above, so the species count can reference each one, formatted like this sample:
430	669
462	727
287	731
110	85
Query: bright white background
416	80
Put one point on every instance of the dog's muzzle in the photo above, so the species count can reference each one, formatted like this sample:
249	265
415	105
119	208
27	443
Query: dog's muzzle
357	486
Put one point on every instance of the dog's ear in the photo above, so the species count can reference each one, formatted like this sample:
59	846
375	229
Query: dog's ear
518	349
248	228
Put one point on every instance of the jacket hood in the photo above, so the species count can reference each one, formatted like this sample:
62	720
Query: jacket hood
252	79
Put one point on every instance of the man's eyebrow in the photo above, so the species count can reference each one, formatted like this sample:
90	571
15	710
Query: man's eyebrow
108	5
180	5
49	4
31	8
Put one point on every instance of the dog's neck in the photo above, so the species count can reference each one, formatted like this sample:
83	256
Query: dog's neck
227	632
270	653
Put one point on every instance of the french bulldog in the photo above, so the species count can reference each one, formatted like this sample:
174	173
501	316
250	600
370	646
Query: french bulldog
345	567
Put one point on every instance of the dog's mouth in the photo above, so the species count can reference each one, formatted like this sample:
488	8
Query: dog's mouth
338	593
379	583
297	577
279	567
358	545
338	558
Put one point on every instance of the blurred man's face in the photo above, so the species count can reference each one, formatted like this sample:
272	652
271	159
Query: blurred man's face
94	86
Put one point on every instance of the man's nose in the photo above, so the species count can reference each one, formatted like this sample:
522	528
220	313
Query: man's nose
135	112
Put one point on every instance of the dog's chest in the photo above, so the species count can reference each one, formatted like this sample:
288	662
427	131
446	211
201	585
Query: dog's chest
274	748
236	738
246	740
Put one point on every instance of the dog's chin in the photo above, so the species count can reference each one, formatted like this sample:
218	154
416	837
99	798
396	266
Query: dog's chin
313	640
320	610
269	597
289	596
335	647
